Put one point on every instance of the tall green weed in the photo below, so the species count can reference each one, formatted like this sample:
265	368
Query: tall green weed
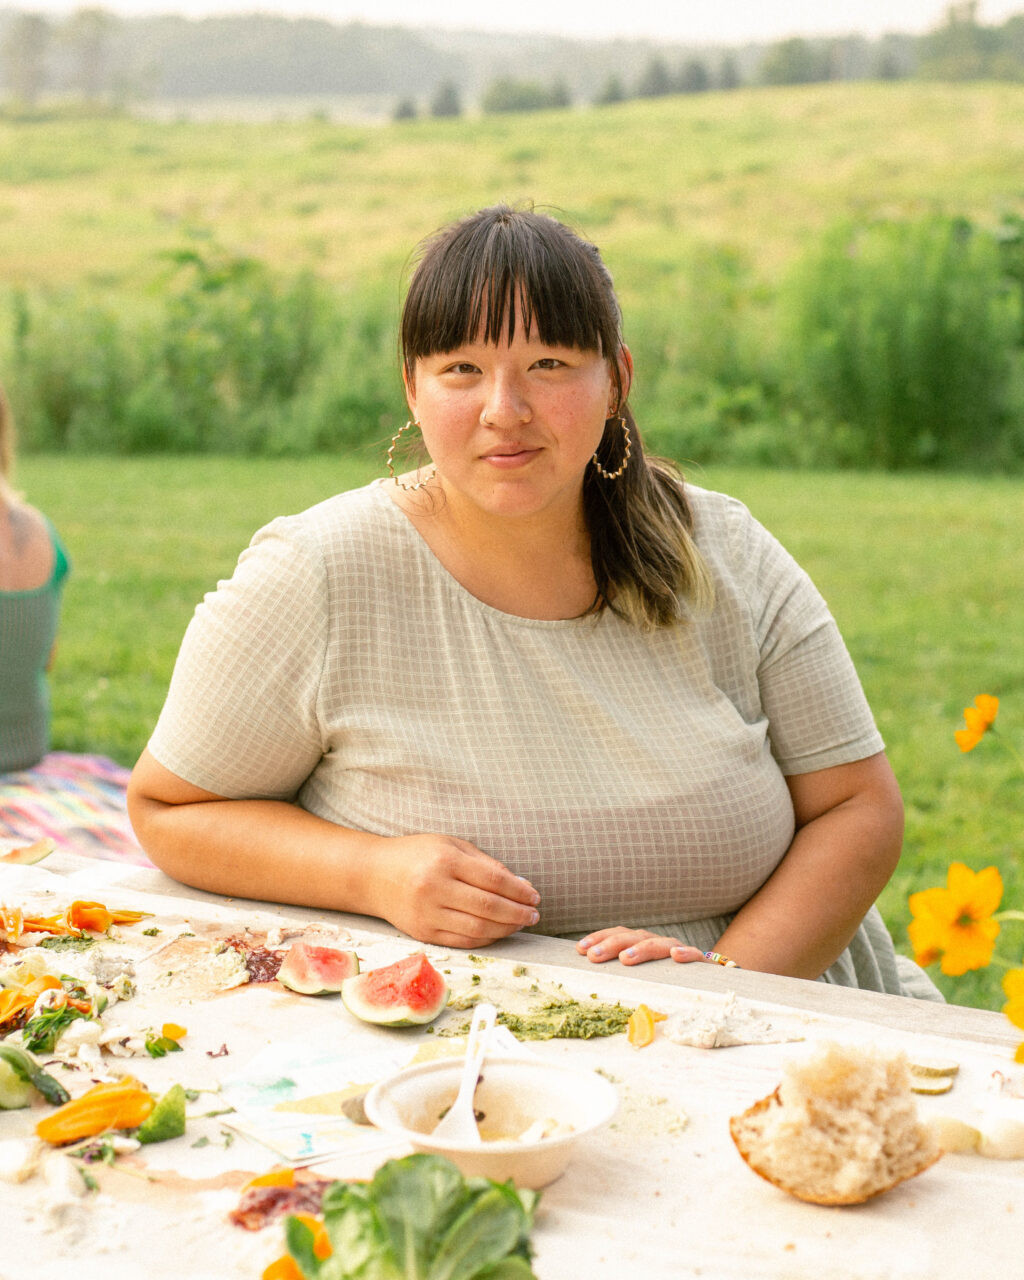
216	354
903	340
891	345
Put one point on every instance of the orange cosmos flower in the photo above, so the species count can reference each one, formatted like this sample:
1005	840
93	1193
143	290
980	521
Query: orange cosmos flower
1013	985
955	924
978	719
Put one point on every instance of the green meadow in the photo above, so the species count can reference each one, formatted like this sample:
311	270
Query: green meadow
758	170
924	574
702	207
827	275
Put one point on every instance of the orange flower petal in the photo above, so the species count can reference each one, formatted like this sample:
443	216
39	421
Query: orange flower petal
1014	1010
977	893
975	721
936	905
1013	984
966	739
988	706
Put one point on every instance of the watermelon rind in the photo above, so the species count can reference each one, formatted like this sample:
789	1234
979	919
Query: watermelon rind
30	854
316	971
408	993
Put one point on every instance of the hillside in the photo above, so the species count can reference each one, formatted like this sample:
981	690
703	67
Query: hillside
757	171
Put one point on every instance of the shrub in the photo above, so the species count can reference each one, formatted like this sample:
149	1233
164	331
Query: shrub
905	336
220	354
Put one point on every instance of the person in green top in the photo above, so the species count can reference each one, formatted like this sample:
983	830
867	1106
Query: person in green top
33	566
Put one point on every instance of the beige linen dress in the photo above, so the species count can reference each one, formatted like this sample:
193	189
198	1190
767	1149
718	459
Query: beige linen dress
633	778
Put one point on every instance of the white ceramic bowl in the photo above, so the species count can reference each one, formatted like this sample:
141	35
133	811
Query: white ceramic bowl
513	1094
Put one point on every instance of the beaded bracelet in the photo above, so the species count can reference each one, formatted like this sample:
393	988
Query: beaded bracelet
715	958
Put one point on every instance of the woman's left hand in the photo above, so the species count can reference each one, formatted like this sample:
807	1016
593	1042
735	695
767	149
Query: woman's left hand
636	946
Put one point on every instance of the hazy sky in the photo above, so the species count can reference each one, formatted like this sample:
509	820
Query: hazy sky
689	20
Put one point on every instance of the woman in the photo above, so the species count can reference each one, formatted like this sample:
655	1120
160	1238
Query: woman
537	683
33	566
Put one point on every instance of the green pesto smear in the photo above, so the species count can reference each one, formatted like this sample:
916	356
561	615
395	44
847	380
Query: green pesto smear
565	1020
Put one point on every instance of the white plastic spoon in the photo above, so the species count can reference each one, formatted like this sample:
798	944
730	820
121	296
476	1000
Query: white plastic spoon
458	1124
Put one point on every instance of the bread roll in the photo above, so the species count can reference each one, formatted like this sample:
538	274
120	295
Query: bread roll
840	1128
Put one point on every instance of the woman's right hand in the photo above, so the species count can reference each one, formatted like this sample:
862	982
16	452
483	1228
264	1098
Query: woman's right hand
443	890
435	888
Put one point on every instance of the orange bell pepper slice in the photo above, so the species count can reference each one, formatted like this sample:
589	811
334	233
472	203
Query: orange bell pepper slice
321	1240
640	1027
98	918
93	916
46	924
283	1268
12	921
281	1177
122	1105
14	1001
173	1032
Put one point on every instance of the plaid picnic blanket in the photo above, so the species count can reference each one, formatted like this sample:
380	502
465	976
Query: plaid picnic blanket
77	801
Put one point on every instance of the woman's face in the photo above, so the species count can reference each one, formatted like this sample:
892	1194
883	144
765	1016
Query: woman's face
511	427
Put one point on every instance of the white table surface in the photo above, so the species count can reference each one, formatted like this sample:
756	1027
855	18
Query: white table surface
661	1192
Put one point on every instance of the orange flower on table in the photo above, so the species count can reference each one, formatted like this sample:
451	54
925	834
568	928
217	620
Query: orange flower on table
978	719
956	923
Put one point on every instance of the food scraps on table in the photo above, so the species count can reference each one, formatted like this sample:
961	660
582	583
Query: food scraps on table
417	1217
840	1129
641	1025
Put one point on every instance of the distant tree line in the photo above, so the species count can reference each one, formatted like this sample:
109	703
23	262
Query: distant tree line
93	55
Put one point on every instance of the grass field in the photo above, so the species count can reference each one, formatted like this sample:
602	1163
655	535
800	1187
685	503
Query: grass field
924	574
761	171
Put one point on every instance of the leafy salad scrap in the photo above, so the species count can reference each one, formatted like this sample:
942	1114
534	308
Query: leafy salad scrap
418	1219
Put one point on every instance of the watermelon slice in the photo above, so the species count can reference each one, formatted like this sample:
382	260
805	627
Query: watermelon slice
29	854
407	993
316	971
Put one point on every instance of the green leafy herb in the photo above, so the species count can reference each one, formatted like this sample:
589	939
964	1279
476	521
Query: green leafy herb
67	942
161	1046
419	1219
98	1151
151	932
41	1033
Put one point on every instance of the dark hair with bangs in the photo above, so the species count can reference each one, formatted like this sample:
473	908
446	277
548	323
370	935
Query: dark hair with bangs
505	267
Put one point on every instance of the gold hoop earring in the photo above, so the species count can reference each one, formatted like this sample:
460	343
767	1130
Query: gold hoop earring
614	475
391	465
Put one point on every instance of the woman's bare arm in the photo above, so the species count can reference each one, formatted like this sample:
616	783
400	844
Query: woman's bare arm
849	833
435	888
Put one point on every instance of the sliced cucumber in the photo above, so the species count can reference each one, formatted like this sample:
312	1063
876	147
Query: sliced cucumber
15	1092
25	1069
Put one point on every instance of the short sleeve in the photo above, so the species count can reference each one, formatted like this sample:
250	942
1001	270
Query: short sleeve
817	713
241	715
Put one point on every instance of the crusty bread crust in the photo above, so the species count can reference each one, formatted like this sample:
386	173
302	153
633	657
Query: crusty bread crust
838	1132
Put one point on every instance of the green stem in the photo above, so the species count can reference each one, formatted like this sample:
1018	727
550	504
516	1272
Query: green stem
1008	915
1009	747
